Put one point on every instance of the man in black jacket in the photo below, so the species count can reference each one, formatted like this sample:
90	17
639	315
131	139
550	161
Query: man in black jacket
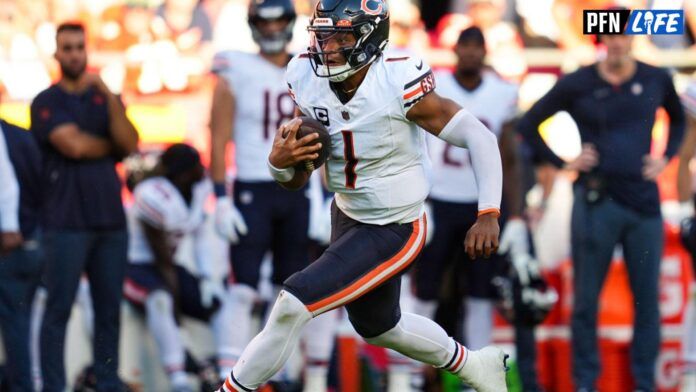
616	201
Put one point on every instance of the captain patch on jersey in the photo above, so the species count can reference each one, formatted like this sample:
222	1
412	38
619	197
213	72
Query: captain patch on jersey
377	164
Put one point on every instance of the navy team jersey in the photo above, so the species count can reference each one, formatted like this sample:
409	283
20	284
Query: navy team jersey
618	120
78	194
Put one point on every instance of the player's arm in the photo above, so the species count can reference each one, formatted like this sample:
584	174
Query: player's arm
164	259
448	121
553	101
288	152
222	116
123	133
686	153
677	121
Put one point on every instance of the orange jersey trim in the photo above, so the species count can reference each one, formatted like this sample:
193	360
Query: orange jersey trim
339	298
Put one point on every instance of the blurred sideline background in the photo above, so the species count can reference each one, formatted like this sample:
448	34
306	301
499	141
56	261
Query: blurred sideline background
157	54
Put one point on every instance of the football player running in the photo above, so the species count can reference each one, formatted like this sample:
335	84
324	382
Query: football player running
250	101
374	108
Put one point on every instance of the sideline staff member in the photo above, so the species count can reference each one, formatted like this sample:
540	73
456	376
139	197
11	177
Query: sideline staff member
83	131
616	200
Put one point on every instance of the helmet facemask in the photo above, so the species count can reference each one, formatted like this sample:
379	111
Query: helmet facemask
356	56
271	43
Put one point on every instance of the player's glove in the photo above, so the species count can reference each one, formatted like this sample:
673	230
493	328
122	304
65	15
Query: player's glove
229	222
429	222
514	238
211	290
526	266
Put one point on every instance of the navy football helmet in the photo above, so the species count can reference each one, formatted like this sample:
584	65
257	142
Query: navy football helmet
523	294
269	10
366	20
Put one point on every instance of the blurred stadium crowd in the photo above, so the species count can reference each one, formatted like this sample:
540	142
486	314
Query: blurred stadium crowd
157	56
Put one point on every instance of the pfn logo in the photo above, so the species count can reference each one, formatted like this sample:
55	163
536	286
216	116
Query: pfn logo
633	22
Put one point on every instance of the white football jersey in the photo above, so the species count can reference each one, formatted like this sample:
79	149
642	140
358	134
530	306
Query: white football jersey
262	104
160	204
493	102
378	161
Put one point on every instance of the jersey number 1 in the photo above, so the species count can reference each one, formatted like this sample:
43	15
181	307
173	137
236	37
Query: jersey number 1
351	160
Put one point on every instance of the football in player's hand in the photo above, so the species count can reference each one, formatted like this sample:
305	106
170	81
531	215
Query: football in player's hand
309	126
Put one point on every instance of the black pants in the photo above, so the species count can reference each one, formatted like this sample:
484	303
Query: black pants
361	269
20	274
101	254
278	221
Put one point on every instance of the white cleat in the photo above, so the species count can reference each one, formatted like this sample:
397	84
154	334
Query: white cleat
484	370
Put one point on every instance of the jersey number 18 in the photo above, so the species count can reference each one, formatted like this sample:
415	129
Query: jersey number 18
284	111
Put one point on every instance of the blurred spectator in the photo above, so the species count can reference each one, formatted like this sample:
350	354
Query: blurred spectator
83	131
20	262
680	41
616	199
124	25
503	42
407	32
184	22
232	22
538	26
21	70
581	47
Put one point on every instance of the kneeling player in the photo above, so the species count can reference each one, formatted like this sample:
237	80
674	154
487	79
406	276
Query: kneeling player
166	209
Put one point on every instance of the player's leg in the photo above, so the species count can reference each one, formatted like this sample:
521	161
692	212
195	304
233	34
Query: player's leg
38	308
145	288
595	230
159	308
318	342
65	256
429	269
291	253
479	303
355	263
450	222
84	301
268	351
254	201
106	269
642	247
226	354
20	272
217	315
377	317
